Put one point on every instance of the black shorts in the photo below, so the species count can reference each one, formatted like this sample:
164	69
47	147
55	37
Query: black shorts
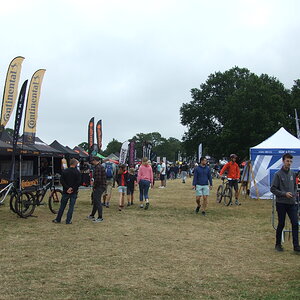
234	183
162	177
130	190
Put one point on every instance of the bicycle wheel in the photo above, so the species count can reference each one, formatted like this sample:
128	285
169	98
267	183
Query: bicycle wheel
25	204
12	202
227	196
219	193
54	200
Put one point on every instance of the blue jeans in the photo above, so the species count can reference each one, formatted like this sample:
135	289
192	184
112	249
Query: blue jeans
63	204
144	186
291	210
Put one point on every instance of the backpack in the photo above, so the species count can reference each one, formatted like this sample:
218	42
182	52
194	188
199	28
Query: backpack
109	170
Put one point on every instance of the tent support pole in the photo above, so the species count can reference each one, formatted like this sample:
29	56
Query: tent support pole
20	172
253	178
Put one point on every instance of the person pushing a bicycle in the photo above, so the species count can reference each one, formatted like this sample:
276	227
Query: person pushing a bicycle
233	175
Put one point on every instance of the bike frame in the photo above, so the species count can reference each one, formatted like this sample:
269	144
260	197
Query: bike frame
8	188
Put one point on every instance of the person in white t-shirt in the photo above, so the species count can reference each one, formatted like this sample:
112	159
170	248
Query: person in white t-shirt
163	175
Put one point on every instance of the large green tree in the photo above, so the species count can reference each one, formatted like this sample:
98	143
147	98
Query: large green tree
113	146
235	110
160	146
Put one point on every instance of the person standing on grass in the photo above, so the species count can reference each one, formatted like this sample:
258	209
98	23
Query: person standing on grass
202	183
184	170
98	189
163	171
122	178
110	170
145	180
284	187
131	181
70	180
233	175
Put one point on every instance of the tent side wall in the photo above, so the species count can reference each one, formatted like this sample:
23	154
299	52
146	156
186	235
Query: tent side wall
265	162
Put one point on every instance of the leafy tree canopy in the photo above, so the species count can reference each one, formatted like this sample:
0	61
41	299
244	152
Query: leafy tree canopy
235	110
160	146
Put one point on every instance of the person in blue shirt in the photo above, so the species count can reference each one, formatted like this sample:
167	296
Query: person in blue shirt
202	183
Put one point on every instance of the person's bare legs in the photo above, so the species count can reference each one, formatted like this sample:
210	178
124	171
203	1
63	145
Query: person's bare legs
204	203
198	199
121	201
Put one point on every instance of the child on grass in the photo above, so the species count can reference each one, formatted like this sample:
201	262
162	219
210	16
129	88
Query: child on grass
131	181
122	178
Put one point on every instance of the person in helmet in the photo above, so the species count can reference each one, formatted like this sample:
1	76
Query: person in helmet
233	175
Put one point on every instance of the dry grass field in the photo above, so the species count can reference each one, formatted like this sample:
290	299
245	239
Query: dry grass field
167	252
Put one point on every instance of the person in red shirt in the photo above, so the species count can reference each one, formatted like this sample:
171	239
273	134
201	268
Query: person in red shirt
233	175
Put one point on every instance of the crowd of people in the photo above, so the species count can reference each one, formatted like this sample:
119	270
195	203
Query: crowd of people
106	175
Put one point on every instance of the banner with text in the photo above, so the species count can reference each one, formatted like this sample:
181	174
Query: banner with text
123	152
10	90
18	119
132	154
99	134
32	105
91	134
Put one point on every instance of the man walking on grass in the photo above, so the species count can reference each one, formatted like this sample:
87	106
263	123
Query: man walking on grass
98	189
284	187
202	177
233	175
70	180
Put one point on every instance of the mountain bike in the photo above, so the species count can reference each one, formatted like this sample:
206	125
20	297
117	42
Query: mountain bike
16	195
224	192
25	206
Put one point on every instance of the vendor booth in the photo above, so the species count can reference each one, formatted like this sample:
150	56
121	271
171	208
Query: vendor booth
266	159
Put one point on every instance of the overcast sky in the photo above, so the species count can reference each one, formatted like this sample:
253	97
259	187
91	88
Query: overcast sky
133	63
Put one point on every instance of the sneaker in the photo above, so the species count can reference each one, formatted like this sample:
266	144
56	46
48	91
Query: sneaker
68	223
197	209
90	217
55	221
128	204
131	203
98	220
142	206
107	205
147	205
104	204
237	202
204	213
278	248
297	248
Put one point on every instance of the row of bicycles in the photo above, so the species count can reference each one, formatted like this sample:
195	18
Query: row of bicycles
23	202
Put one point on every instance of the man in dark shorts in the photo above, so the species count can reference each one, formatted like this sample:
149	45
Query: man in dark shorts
233	175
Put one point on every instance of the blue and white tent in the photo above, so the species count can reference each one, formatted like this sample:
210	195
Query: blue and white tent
266	159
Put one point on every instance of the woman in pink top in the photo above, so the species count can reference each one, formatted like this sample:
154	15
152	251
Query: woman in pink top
144	180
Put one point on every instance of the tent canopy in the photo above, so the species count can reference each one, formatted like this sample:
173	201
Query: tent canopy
44	149
266	159
280	140
67	151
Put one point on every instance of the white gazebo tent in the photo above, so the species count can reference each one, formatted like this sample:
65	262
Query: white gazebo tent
266	159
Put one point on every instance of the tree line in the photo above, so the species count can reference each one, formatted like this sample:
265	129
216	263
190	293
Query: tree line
235	110
163	147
